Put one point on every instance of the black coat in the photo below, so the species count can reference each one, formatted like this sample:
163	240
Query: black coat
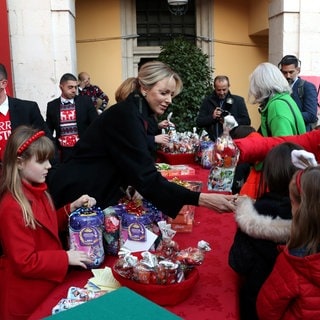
114	153
234	104
24	112
262	227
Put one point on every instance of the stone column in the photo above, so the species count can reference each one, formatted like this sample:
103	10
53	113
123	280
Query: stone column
294	28
43	47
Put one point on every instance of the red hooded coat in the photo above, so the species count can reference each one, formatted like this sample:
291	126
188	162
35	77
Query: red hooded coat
33	261
292	290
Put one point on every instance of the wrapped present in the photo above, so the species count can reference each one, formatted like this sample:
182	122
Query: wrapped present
185	218
170	171
86	227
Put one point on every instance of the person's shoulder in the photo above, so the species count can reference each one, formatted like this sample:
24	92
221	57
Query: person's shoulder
26	104
237	97
8	202
129	106
18	101
308	84
95	87
277	101
209	98
53	104
82	99
55	100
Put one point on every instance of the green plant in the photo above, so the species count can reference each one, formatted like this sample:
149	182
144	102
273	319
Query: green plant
191	64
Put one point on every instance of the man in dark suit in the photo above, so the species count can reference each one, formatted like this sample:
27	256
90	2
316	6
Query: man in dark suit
219	104
304	93
15	112
69	116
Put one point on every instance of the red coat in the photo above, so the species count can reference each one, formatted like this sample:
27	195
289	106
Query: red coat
255	148
292	291
33	262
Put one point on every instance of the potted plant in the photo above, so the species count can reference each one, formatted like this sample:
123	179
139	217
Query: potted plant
191	64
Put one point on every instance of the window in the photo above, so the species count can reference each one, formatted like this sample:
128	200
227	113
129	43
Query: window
147	24
156	25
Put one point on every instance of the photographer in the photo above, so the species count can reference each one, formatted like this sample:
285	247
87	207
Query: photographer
220	104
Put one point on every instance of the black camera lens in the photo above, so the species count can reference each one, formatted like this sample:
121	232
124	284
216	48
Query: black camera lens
224	113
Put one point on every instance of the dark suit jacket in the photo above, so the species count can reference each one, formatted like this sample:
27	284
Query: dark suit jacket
24	112
85	114
308	105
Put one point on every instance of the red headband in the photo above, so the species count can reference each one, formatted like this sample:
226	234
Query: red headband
26	144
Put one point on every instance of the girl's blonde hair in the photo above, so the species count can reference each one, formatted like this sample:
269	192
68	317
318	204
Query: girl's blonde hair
305	228
42	148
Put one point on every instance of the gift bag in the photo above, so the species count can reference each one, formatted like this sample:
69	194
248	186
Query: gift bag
128	221
85	233
224	161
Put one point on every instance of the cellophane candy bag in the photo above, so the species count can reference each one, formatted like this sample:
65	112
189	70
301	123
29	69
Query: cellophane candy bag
224	161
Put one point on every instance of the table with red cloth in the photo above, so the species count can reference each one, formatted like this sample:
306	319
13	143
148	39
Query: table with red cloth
215	296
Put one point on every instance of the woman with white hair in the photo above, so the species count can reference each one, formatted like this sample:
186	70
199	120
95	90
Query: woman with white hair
280	115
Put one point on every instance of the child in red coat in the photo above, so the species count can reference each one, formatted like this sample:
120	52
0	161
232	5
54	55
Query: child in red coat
33	261
292	290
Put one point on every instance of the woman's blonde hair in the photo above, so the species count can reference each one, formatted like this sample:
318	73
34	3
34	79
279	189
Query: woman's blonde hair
154	71
265	81
42	148
305	228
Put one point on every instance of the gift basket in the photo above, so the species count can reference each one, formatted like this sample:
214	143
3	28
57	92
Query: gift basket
85	233
181	147
165	276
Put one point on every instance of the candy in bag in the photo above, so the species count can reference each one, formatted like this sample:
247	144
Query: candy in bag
224	161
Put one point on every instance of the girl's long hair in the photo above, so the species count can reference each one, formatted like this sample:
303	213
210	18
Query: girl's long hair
42	148
305	228
278	169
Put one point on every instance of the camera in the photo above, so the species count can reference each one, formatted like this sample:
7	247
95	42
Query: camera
224	113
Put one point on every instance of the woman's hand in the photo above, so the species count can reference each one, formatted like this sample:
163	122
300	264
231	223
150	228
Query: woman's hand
78	258
161	139
218	202
84	200
165	124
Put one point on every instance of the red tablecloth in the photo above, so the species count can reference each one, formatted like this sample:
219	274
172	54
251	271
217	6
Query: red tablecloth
215	296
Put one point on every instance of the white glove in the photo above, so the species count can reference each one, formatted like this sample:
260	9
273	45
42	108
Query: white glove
303	159
230	122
